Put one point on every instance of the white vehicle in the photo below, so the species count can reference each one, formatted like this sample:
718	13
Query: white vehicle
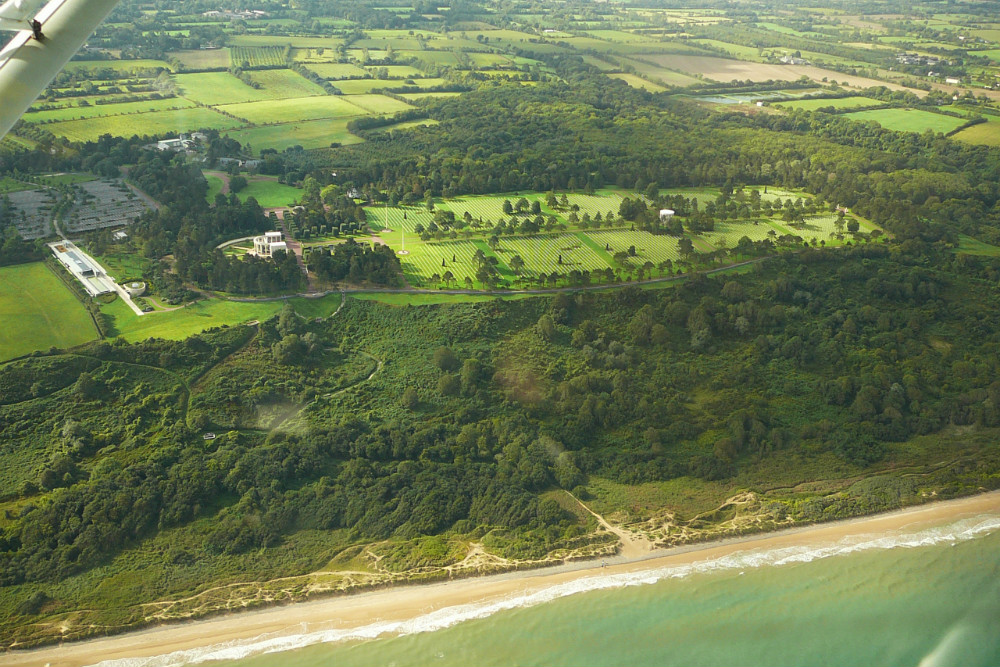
45	38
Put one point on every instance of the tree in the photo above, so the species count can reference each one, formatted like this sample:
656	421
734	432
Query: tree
449	385
445	359
508	209
547	327
516	264
237	183
410	398
853	226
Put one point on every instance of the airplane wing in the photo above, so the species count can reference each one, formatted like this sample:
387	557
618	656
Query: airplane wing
27	65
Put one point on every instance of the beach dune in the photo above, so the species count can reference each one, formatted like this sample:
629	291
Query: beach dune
394	609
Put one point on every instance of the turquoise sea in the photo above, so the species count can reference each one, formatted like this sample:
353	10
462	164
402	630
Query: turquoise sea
927	597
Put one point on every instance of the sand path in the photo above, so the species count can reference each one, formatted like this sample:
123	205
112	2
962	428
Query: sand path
633	546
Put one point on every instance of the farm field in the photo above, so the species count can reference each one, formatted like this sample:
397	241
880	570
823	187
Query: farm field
661	74
416	97
379	104
333	71
73	113
122	66
218	88
839	103
153	123
295	109
203	58
909	120
283	83
39	312
637	82
308	134
985	134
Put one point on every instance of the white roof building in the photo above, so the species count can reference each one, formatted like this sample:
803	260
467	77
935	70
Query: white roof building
266	245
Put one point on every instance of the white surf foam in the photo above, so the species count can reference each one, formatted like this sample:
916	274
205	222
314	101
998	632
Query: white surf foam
953	533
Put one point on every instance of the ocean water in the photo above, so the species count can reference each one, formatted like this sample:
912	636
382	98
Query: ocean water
927	597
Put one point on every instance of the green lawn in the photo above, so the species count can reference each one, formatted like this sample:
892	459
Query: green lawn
909	120
218	88
39	312
269	193
987	134
283	83
378	104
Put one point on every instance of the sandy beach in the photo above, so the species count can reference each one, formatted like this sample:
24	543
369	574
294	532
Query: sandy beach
408	602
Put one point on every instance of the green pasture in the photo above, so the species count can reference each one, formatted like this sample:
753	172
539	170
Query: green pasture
600	64
202	58
38	312
187	321
637	82
838	103
8	184
282	83
96	110
432	57
142	124
308	134
218	88
214	186
120	66
909	120
396	71
379	105
335	71
986	134
297	41
489	59
294	109
661	74
611	35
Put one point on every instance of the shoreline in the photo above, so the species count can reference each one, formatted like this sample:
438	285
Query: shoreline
406	602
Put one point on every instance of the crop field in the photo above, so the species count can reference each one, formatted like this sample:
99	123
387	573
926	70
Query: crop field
218	88
39	312
986	134
432	57
649	247
308	134
156	122
379	104
616	36
296	109
600	64
74	113
362	86
281	40
723	69
637	82
427	259
203	58
909	120
282	83
839	103
541	254
249	57
334	71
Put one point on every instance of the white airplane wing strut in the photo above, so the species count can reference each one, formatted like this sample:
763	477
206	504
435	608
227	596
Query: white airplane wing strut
44	42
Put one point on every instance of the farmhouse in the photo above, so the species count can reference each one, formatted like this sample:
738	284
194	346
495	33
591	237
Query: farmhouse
266	245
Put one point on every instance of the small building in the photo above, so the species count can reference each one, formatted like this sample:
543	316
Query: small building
666	214
268	244
135	289
952	80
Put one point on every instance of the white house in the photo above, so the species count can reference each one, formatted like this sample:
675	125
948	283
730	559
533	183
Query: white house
266	245
666	214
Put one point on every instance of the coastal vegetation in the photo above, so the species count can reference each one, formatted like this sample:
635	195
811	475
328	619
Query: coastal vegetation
692	273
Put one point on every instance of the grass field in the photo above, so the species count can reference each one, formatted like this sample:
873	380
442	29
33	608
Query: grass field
379	104
8	184
661	74
218	88
282	83
308	134
839	103
142	124
638	82
426	259
909	120
269	193
39	312
542	254
971	246
203	59
294	109
123	66
655	249
94	111
986	134
335	71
